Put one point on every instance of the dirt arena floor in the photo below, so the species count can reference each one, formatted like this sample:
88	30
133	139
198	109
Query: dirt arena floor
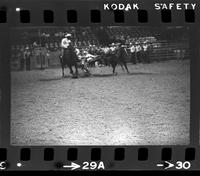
150	106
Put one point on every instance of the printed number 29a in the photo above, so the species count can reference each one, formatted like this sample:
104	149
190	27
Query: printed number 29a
93	165
183	165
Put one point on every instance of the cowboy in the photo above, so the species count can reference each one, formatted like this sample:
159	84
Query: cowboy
138	53
65	43
133	53
84	60
112	48
27	57
146	52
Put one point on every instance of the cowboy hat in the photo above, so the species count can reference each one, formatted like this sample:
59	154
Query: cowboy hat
68	35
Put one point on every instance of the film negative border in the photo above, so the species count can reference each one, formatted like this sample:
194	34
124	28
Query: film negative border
95	16
83	12
112	157
100	158
24	16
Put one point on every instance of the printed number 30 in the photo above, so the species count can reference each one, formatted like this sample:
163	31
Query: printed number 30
183	165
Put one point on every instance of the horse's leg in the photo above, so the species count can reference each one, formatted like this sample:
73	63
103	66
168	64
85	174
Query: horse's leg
124	63
76	67
63	71
113	69
87	67
122	67
71	70
86	70
114	66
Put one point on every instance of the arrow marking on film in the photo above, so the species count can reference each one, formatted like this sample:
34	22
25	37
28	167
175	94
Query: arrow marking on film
169	165
166	162
73	166
160	165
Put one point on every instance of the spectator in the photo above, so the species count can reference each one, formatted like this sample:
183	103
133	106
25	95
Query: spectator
133	54
138	53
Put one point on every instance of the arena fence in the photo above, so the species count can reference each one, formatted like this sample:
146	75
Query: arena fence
169	50
161	51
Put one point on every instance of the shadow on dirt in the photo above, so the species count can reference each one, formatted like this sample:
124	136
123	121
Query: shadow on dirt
54	79
141	73
96	76
124	74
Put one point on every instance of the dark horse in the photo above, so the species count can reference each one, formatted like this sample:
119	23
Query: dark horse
114	58
69	59
119	58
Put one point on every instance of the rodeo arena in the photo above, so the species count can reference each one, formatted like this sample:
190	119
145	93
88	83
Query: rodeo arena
109	85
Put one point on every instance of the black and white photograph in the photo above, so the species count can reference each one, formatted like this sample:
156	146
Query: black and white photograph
100	85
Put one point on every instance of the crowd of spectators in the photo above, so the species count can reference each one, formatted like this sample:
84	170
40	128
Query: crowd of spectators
138	42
